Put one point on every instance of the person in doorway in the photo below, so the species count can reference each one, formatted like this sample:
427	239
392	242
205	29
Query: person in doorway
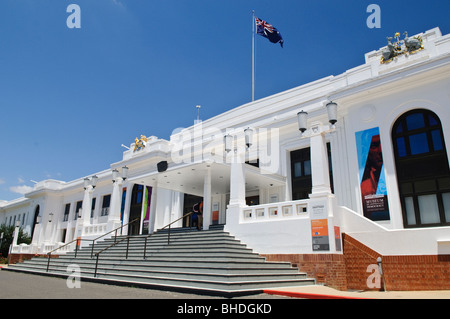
194	219
198	211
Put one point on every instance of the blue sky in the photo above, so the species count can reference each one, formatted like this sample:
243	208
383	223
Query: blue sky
70	97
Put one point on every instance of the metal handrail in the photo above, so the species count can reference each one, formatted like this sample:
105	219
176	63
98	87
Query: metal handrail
168	225
115	235
113	244
78	240
128	242
168	234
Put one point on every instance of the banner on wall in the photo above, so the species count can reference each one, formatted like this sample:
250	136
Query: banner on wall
371	173
146	210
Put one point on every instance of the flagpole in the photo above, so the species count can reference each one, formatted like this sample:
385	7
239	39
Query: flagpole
253	56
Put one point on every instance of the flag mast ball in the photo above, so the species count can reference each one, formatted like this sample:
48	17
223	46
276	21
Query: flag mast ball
267	31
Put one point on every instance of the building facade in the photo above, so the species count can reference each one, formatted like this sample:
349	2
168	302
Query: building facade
330	175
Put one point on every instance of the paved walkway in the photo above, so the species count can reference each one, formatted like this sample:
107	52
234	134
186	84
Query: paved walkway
323	292
23	286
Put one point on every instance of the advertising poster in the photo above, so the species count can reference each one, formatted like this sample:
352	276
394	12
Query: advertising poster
215	213
337	238
319	226
319	231
371	173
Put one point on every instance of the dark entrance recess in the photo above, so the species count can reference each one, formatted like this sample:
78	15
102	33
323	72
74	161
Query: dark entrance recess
301	172
136	209
36	214
423	172
189	202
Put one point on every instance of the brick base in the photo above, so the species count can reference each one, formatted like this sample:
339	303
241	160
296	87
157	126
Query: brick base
327	269
18	258
349	270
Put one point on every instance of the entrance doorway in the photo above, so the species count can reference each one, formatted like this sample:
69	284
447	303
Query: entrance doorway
36	214
136	209
188	206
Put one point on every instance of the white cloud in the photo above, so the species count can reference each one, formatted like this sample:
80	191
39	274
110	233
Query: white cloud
23	189
20	180
2	181
117	2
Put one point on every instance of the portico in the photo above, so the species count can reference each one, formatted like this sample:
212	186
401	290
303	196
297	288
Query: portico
218	183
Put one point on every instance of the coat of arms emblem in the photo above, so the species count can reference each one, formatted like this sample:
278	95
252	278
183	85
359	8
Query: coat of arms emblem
139	144
406	46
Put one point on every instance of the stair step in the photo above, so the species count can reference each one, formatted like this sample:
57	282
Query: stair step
209	261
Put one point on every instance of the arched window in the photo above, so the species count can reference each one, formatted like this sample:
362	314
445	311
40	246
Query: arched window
423	172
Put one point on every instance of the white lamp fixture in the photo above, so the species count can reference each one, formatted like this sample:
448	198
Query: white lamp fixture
302	117
248	137
332	112
90	182
228	140
124	172
94	180
115	174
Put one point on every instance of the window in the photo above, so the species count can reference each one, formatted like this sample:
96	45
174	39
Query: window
105	205
78	209
422	169
66	213
93	207
301	172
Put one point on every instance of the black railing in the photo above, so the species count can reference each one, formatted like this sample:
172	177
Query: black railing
78	240
115	235
127	238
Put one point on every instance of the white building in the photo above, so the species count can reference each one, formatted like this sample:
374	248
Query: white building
380	175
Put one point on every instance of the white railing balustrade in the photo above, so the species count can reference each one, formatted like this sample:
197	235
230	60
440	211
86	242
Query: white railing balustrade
275	211
94	230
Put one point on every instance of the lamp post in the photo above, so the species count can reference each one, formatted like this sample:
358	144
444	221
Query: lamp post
319	153
322	202
84	216
236	157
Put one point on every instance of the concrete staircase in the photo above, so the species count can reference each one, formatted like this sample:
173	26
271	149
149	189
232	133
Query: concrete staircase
207	262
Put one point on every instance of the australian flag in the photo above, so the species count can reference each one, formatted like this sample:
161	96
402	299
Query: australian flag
268	31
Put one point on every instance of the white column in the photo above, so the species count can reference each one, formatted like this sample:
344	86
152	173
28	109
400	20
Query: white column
114	209
237	184
87	205
153	202
319	162
85	212
207	200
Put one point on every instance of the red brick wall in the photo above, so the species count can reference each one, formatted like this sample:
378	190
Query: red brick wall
429	272
357	258
327	269
349	271
18	258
